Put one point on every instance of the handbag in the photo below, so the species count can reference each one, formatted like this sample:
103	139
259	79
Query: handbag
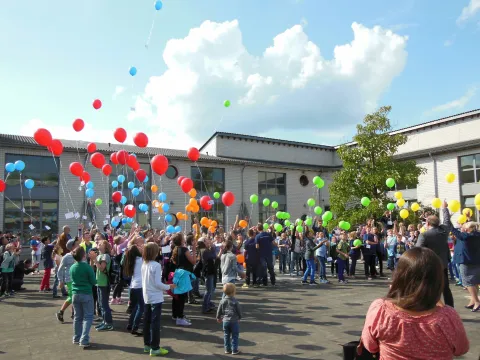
354	350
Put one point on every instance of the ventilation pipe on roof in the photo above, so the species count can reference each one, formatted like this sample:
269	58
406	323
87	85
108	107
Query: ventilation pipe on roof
435	174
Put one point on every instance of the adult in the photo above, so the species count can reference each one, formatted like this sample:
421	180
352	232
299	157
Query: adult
251	259
21	269
467	255
369	253
63	239
411	322
264	243
436	239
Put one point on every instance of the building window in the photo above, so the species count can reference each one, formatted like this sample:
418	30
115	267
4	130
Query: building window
207	181
469	202
172	172
469	169
272	186
304	180
145	195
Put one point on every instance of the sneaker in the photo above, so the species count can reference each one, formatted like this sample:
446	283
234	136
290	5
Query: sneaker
75	342
235	352
59	316
99	326
342	282
159	352
146	349
228	351
304	282
183	322
56	296
136	332
113	301
105	327
174	318
245	286
85	346
313	283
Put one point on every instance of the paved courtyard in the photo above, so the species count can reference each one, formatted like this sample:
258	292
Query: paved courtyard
288	322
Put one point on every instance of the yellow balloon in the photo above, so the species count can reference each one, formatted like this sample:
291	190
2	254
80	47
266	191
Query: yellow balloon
404	213
462	219
467	212
478	207
400	203
398	195
437	203
415	207
477	199
422	230
454	205
450	177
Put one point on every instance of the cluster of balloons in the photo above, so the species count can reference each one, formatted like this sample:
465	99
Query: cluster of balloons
19	165
210	224
318	182
44	138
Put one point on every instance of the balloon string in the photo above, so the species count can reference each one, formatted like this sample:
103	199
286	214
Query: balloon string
6	178
147	44
185	229
30	198
61	183
78	152
68	191
18	207
21	192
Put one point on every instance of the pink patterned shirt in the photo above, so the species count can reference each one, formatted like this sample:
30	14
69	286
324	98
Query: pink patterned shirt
398	335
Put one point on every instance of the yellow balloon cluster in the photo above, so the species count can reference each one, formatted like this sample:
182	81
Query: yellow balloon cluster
437	203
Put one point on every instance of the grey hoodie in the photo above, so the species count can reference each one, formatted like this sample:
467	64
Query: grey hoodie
229	309
63	272
228	264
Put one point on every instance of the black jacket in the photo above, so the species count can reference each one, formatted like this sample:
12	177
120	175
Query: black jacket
436	239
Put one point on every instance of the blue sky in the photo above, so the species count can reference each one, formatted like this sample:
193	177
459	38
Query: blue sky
59	56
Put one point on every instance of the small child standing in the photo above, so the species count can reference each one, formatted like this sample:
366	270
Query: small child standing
47	258
230	314
8	265
391	245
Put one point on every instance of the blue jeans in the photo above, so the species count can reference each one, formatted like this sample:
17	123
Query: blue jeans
453	270
310	270
137	306
82	321
295	262
151	325
231	281
457	266
209	290
341	268
323	267
282	262
353	264
231	331
55	286
391	262
103	294
266	263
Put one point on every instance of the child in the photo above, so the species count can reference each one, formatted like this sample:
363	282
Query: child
401	248
391	246
354	252
342	250
102	263
229	265
153	289
230	313
47	263
8	265
57	254
321	254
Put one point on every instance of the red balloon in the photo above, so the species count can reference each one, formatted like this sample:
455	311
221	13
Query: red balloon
186	185
117	197
159	164
107	169
180	179
91	148
85	177
228	198
132	160
135	166
97	160
141	140
76	168
120	135
205	202
122	157
113	158
141	175
56	147
193	154
2	186
43	137
129	211
78	125
97	104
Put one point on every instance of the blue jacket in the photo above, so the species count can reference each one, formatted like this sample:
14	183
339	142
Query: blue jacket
467	248
183	279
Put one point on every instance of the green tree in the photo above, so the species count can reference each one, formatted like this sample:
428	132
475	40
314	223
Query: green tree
367	164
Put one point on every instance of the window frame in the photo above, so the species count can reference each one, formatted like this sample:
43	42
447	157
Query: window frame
208	187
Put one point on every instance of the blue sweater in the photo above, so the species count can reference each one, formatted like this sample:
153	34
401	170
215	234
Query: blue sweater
183	279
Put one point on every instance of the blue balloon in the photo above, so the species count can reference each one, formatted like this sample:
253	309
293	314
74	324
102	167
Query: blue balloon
133	71
123	201
29	184
178	228
131	185
162	197
158	5
115	223
146	179
130	220
19	165
114	184
168	218
170	229
90	193
10	167
165	207
124	220
121	179
135	192
90	185
143	207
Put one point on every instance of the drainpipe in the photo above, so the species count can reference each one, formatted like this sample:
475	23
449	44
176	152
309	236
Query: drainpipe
435	175
243	168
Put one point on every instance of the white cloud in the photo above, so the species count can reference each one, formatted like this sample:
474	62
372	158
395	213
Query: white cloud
291	86
469	11
118	91
455	104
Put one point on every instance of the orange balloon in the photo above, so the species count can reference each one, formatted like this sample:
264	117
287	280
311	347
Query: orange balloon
203	221
240	258
196	209
156	203
214	223
195	226
193	201
209	222
243	224
192	193
160	209
189	208
211	229
179	215
154	188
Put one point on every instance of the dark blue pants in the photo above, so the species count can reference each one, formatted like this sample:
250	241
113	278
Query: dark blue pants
137	305
231	331
353	264
103	294
151	325
266	263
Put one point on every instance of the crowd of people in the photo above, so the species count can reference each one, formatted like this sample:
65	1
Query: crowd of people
97	263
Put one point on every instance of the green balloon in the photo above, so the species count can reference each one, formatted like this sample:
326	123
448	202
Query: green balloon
320	183
278	227
287	215
347	226
292	227
309	221
365	201
227	103
279	215
300	228
216	195
298	221
274	204
265	226
311	202
390	206
254	198
98	202
318	210
357	242
327	216
341	225
287	223
266	202
390	182
324	223
317	180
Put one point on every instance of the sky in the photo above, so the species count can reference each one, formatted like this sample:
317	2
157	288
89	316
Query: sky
302	70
